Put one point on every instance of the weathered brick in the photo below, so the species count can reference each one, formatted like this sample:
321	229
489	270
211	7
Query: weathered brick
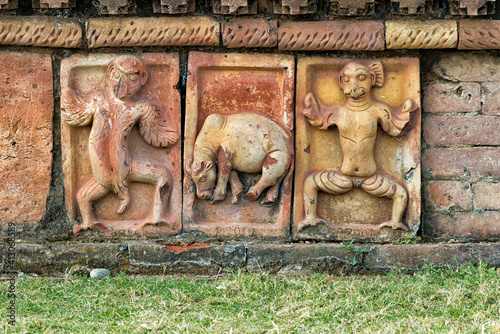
250	33
448	97
116	7
435	34
352	7
491	98
234	7
472	8
53	3
448	195
26	108
453	130
407	7
466	66
174	6
486	196
446	162
479	34
463	225
8	4
295	7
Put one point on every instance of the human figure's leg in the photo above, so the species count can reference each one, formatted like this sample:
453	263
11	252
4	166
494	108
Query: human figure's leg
88	193
384	186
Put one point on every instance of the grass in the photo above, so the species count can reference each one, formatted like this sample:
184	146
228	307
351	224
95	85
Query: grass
461	300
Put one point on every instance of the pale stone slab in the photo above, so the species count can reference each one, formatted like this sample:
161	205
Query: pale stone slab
434	34
26	109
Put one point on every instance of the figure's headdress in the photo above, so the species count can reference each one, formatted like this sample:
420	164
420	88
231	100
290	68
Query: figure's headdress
376	72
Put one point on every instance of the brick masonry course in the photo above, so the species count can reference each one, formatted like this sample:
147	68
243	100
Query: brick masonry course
452	97
448	196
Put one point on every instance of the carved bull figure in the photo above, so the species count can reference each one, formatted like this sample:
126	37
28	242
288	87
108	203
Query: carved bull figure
244	142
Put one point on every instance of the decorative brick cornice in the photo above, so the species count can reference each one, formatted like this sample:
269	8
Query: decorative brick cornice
8	4
352	7
235	6
295	7
472	7
53	3
116	7
421	34
173	6
331	35
409	7
479	35
40	31
161	31
250	33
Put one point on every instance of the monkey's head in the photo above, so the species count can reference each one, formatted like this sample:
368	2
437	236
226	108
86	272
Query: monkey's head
127	75
357	79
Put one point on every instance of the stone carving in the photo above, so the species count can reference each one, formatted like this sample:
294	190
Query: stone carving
8	4
235	6
243	142
408	7
352	7
238	134
45	31
472	7
331	35
54	3
115	7
250	33
174	6
113	111
356	118
162	31
434	34
479	35
295	7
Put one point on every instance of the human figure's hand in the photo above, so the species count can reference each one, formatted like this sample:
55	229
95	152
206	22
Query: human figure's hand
312	111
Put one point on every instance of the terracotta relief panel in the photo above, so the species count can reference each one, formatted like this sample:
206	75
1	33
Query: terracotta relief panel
238	148
358	149
121	146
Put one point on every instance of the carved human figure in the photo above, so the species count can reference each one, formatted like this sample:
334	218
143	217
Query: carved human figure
113	113
244	142
357	120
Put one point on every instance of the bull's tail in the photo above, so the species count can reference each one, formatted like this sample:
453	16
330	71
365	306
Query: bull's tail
287	182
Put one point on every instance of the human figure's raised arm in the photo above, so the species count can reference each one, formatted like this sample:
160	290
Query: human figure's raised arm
77	110
394	119
156	129
318	116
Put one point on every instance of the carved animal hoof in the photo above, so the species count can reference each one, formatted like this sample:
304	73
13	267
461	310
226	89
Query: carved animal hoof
310	222
394	225
250	196
236	198
218	198
121	207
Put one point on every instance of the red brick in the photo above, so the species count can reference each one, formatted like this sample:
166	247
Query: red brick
446	195
479	35
249	33
486	196
491	98
464	66
447	97
26	108
453	130
462	161
464	225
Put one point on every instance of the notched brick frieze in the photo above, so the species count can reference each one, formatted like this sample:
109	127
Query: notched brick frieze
8	4
162	31
295	7
421	34
472	7
174	6
331	35
352	7
250	33
53	3
479	35
408	7
235	6
116	7
40	31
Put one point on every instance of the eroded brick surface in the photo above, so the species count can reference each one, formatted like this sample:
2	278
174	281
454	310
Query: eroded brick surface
352	7
54	3
295	7
461	162
454	130
235	6
8	4
464	225
421	34
464	66
448	195
174	6
486	196
408	7
250	33
472	7
491	98
479	34
116	7
452	97
26	108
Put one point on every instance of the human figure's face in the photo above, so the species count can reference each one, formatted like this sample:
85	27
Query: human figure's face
125	83
356	80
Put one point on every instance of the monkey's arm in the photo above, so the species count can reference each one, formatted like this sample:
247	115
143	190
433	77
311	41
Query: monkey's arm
155	129
393	120
77	110
319	116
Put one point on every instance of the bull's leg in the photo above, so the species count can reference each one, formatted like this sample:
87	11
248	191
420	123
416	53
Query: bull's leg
332	182
383	186
275	165
272	193
236	186
224	164
89	192
159	175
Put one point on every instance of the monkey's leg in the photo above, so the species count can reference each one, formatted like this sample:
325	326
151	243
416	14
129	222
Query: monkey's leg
332	182
89	192
236	186
383	186
274	166
160	176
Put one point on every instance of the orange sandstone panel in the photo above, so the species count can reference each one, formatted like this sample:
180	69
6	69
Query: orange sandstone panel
357	173
238	147
121	142
26	109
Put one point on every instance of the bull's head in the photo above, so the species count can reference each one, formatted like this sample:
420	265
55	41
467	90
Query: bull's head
204	176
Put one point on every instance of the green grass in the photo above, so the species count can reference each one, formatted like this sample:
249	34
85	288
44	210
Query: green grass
465	300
